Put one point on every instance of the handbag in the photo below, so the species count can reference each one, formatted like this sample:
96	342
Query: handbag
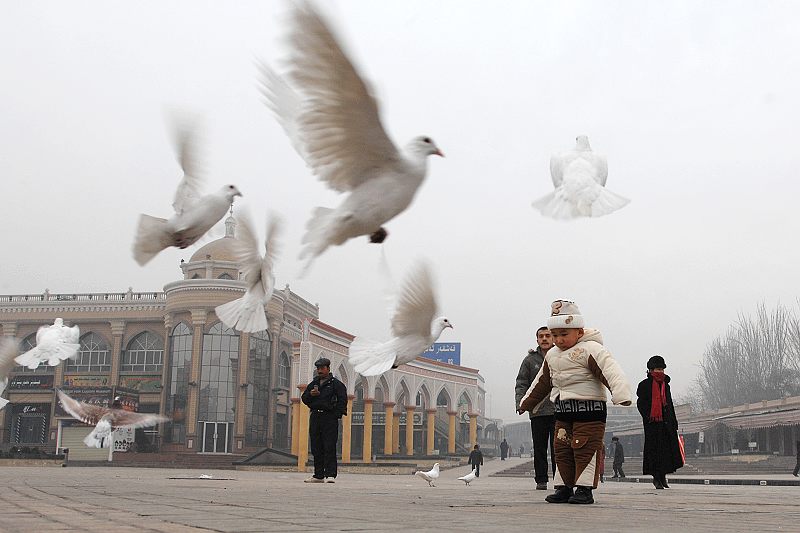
683	450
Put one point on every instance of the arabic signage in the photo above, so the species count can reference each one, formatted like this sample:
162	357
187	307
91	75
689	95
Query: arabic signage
379	419
444	352
145	384
31	382
30	409
79	381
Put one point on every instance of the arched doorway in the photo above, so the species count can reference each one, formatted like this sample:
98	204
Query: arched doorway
217	400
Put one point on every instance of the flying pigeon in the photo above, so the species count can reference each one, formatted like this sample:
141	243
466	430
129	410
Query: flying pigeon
195	213
469	477
430	476
106	419
8	350
54	344
414	328
332	119
579	177
247	313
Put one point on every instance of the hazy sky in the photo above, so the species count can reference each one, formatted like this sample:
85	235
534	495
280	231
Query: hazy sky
695	105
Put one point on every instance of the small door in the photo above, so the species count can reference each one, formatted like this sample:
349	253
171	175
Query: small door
216	436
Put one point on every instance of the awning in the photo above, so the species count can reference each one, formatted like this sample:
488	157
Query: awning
788	417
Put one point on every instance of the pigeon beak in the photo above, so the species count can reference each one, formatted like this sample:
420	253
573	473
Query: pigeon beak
450	325
439	153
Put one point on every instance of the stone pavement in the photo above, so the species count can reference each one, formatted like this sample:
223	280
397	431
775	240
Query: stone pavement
37	499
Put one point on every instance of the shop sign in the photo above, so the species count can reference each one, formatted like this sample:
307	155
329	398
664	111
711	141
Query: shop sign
31	382
142	384
79	381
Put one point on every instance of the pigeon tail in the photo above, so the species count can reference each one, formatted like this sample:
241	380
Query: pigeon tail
317	236
100	437
607	202
556	205
370	357
152	236
244	314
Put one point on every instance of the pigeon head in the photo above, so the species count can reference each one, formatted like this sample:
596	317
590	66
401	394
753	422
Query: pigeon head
439	325
582	143
230	191
424	146
58	322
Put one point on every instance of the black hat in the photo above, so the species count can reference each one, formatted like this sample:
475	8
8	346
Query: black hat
614	438
656	362
322	361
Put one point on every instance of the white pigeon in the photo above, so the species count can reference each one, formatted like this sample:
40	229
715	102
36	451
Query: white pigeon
247	313
195	213
469	477
414	328
54	344
579	177
332	119
430	476
8	351
105	419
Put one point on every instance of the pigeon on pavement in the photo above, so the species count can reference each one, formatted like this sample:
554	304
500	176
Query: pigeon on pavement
195	213
469	477
105	419
8	351
332	119
430	476
579	177
247	313
414	328
54	344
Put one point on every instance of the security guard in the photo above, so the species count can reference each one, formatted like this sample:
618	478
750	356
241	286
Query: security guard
326	397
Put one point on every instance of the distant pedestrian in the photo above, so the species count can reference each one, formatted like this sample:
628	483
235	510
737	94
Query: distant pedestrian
521	449
503	450
662	452
797	465
326	397
618	455
476	460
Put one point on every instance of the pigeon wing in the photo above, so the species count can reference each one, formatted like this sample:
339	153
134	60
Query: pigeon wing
128	419
245	249
86	413
284	102
416	304
601	169
344	141
190	189
274	225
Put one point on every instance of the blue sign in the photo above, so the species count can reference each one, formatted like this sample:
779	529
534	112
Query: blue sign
445	352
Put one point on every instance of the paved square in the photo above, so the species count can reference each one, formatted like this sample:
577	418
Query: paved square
37	499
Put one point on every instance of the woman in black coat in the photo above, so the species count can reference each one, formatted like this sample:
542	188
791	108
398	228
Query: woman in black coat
662	453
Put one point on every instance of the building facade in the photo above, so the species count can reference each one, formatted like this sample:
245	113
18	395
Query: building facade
225	391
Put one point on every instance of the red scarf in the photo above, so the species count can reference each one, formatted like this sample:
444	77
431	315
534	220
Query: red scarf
659	397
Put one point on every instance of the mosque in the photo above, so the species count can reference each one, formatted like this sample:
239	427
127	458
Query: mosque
226	392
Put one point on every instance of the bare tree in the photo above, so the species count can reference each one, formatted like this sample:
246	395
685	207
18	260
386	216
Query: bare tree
758	358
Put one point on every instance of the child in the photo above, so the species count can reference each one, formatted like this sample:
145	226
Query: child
574	374
476	460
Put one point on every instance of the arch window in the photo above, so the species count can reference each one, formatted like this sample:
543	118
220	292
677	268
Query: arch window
28	343
93	356
258	379
180	370
284	371
145	353
442	400
224	275
219	374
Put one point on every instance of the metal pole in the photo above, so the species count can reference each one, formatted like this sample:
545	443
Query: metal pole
111	447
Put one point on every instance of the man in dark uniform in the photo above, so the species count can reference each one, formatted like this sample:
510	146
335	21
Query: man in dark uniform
543	419
326	397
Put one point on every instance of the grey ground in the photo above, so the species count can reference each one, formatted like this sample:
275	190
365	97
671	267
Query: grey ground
35	499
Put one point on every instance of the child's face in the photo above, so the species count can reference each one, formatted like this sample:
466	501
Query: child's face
566	338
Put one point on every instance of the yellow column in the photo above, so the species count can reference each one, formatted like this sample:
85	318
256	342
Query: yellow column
295	423
367	455
431	431
302	441
198	321
451	431
388	428
410	429
473	429
395	433
347	430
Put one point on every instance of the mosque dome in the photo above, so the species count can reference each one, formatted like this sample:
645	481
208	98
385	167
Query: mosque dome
221	249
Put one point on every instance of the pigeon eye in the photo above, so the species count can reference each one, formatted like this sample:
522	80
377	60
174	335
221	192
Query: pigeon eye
426	140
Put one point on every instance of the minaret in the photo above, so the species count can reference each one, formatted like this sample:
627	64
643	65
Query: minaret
230	225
